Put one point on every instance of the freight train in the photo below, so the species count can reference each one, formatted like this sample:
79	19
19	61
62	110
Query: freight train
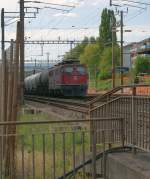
68	78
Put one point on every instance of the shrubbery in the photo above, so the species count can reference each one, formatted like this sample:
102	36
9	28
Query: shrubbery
142	65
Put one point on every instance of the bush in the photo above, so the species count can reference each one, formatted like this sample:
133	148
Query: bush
104	75
142	65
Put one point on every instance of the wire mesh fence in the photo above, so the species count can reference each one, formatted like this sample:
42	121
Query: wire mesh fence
135	110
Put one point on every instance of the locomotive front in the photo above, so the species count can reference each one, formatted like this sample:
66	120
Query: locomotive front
74	80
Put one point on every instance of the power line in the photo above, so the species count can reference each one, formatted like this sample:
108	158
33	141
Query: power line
136	2
134	16
55	4
135	6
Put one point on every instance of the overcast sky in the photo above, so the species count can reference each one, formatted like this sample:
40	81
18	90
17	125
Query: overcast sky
81	21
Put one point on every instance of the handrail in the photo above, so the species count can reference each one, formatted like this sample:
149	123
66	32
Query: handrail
98	156
106	103
37	122
114	90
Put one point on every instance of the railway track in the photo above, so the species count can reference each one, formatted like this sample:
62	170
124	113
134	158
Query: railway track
75	104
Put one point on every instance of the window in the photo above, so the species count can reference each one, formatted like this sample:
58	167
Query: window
68	69
81	70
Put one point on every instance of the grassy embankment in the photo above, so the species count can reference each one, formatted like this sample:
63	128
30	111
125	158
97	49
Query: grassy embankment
104	85
44	134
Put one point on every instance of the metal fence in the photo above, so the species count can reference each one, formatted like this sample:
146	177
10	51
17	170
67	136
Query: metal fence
135	110
135	90
47	154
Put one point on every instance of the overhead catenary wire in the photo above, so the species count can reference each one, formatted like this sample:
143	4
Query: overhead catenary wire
134	6
134	16
135	2
55	4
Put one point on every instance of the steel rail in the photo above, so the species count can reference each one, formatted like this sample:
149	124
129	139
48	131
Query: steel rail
71	105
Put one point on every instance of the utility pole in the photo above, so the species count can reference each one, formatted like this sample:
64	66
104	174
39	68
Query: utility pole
48	60
3	90
121	48
3	95
71	47
35	65
3	33
113	58
22	49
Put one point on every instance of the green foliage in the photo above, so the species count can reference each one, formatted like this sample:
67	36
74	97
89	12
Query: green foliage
96	53
142	65
78	50
108	20
106	62
42	136
91	55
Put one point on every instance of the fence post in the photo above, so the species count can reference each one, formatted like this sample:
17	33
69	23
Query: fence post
133	133
9	108
93	137
122	132
14	113
104	155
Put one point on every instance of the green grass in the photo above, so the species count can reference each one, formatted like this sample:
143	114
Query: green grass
40	132
104	85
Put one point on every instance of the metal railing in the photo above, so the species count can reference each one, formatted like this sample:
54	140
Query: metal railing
135	90
135	110
47	154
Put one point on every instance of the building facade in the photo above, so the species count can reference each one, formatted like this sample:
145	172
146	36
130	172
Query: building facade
133	50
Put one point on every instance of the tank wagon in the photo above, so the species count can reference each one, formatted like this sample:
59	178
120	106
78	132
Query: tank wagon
67	78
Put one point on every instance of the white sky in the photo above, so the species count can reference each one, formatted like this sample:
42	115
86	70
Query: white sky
51	24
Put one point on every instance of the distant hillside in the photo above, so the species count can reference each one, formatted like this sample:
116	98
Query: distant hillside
31	66
31	69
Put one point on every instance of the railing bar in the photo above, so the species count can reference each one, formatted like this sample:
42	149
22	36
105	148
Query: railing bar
130	123
43	139
98	126
54	158
52	122
64	154
137	117
143	120
127	121
83	152
33	156
149	122
1	157
115	130
73	149
146	108
22	154
127	124
140	123
145	124
93	133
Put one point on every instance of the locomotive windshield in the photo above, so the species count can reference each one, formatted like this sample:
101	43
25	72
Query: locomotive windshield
68	69
81	69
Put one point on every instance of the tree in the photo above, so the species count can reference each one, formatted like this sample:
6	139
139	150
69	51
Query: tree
77	51
106	62
96	52
108	20
92	40
142	65
91	57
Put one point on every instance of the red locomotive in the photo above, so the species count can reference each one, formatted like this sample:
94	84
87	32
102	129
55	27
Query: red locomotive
68	78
